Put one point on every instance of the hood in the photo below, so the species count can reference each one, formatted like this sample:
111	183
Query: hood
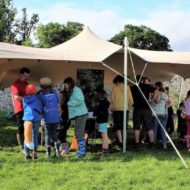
30	99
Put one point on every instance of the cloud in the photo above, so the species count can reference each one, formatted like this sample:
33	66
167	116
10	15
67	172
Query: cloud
173	24
171	21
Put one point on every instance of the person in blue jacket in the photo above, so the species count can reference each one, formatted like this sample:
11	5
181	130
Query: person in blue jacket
51	114
77	111
32	112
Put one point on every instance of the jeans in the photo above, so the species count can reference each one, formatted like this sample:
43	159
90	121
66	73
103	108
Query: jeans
50	134
163	121
35	132
80	123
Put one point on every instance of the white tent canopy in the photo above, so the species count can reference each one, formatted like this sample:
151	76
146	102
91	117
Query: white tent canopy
88	48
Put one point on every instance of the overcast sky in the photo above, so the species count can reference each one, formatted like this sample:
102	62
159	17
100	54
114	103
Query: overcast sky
107	17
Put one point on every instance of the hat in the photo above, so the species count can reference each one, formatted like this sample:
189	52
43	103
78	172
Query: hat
45	81
30	89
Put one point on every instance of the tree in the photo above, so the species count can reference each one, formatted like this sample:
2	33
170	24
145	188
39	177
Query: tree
142	37
24	28
53	34
15	30
7	21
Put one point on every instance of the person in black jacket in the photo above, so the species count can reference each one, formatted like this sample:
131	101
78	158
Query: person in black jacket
102	113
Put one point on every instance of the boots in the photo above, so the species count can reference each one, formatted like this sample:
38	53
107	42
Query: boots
34	155
65	149
81	147
56	149
48	151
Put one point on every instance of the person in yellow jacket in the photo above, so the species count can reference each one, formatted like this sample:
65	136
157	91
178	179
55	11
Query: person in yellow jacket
117	105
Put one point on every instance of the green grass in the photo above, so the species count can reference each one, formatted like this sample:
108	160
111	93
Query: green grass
144	169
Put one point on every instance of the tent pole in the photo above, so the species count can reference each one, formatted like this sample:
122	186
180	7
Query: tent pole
180	90
181	158
125	96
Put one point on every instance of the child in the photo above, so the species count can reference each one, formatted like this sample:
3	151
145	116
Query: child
102	114
51	115
181	121
187	119
32	117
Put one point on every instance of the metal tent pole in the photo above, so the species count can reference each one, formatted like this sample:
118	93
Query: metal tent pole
125	95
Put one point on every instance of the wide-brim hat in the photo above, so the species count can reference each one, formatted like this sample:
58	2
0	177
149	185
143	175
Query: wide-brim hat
45	81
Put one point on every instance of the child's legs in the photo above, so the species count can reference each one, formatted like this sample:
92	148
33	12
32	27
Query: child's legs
103	127
35	131
80	123
105	140
48	135
26	149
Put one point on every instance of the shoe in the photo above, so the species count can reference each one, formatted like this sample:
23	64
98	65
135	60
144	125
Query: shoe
164	146
34	156
48	152
105	151
28	157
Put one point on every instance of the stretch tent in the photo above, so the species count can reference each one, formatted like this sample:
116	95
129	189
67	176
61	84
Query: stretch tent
87	50
83	51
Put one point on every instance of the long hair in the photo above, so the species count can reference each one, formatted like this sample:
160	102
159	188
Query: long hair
188	94
70	82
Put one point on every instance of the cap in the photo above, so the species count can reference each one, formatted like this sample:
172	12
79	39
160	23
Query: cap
45	81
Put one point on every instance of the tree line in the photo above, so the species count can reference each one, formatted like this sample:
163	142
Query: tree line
23	30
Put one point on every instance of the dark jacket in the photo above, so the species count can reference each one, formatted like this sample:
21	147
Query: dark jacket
102	112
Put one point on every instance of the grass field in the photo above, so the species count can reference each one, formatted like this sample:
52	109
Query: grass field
143	169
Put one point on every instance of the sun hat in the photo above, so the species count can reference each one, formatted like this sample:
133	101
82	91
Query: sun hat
45	81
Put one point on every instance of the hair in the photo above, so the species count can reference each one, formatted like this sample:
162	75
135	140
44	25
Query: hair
188	94
70	82
118	79
181	104
101	94
160	85
24	70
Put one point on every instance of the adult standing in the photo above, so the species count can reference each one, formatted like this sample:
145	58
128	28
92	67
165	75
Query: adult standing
77	111
159	104
18	92
117	105
142	114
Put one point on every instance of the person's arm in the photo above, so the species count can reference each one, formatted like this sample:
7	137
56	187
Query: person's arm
15	93
77	98
130	98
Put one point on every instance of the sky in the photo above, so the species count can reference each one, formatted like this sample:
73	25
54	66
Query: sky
108	17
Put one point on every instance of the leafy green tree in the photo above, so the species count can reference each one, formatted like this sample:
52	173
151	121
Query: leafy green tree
15	30
142	37
53	34
7	21
25	27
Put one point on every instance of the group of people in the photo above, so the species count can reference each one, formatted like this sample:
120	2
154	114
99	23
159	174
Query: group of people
50	109
43	108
